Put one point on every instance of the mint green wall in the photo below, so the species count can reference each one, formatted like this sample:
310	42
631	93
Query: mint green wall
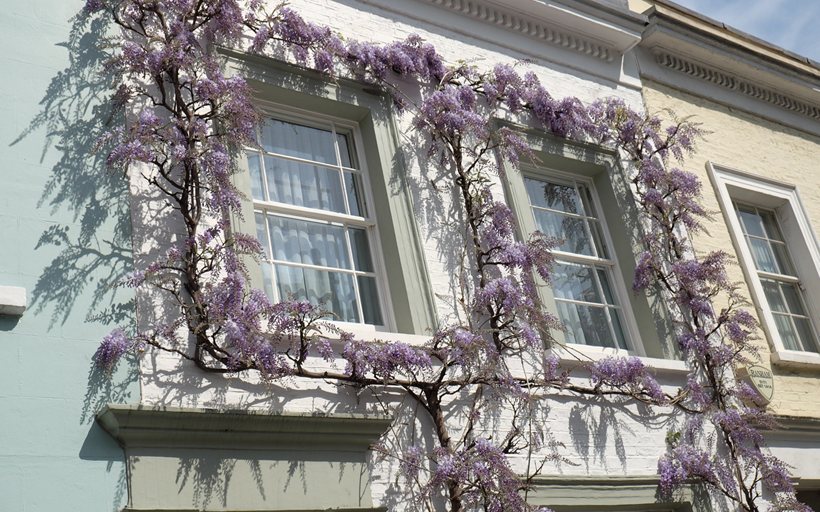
64	236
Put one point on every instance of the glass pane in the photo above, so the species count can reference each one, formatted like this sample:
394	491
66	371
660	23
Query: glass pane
370	300
355	195
551	195
787	333
586	197
345	150
304	185
603	276
769	222
574	282
598	237
262	233
792	295
257	190
361	250
586	325
308	242
333	290
781	257
762	255
617	326
290	283
773	297
300	141
571	230
751	221
267	276
807	339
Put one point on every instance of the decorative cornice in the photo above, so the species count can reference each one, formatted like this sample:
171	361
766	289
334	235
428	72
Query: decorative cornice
588	28
135	426
735	83
529	27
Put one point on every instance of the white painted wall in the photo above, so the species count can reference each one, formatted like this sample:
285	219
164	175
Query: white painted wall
595	440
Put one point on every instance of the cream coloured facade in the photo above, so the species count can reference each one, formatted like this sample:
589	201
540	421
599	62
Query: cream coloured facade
759	107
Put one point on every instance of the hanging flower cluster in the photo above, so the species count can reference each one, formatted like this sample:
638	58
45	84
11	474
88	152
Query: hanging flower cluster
189	124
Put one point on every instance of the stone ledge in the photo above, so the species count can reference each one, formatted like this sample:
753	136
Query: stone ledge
141	426
12	300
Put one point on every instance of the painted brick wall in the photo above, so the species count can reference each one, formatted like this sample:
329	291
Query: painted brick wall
597	441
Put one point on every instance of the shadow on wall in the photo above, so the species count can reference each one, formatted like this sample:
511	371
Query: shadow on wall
94	239
91	233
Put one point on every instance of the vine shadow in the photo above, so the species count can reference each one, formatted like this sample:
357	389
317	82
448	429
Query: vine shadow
91	235
95	244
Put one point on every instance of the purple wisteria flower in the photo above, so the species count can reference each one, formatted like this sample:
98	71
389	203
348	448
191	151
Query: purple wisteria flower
114	345
384	360
627	373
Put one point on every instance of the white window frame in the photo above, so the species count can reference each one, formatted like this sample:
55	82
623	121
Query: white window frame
631	331
318	120
733	186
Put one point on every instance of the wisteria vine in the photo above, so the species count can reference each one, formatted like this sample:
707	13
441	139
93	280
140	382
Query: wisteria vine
187	125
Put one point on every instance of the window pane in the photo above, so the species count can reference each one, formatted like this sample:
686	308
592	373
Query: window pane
598	237
257	190
571	230
586	198
787	333
267	275
361	250
300	141
804	332
585	324
617	326
333	290
769	222
262	234
355	195
308	242
574	282
370	300
781	258
604	278
792	295
551	195
762	255
751	221
345	151
305	185
773	297
290	283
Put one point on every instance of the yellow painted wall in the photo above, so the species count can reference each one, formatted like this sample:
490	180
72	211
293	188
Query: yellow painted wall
745	142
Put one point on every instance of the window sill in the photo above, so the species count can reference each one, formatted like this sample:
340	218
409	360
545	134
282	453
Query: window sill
572	356
364	332
578	355
12	300
795	359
